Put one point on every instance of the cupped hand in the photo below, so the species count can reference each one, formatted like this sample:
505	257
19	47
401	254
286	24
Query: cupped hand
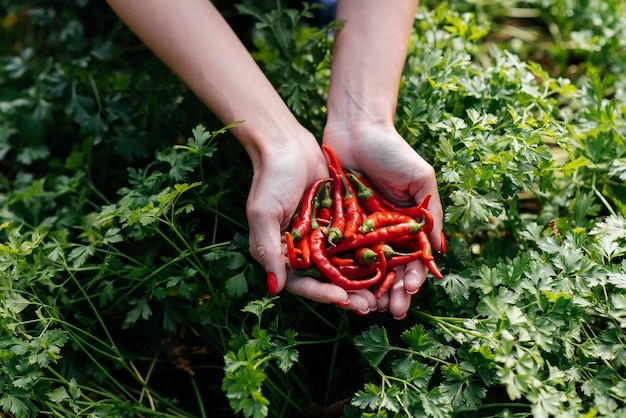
282	173
400	173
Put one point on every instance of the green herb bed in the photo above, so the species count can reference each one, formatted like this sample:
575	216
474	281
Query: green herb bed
126	285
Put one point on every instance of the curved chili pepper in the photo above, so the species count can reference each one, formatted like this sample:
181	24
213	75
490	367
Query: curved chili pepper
301	224
427	256
338	224
383	266
423	213
332	159
352	210
385	234
299	258
424	243
380	202
386	283
317	242
341	261
401	260
291	250
322	221
305	255
434	269
383	218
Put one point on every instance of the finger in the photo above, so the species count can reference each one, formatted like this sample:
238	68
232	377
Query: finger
317	291
266	247
399	299
414	277
362	301
382	303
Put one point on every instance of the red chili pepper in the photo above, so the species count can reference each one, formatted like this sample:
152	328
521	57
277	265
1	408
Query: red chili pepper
424	214
383	218
301	224
385	234
338	224
406	244
291	250
356	271
332	160
427	256
433	268
365	255
341	261
299	258
366	196
326	204
352	210
386	283
322	222
424	243
380	202
403	259
317	242
305	255
384	248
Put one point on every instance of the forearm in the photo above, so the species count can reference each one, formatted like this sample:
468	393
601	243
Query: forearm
194	40
368	58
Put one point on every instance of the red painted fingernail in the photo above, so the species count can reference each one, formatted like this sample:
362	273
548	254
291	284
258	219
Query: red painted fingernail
272	283
342	304
400	318
444	246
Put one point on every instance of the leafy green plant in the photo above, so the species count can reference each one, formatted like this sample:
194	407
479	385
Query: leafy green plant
245	364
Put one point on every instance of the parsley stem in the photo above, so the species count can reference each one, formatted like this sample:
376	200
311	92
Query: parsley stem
196	392
447	325
601	196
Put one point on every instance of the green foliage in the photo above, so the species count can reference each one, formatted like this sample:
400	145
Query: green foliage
246	363
295	57
123	246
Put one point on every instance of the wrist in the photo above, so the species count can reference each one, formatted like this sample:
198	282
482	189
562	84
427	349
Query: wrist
354	129
263	140
355	108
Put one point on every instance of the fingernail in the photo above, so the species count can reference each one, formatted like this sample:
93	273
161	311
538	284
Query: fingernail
360	312
400	318
412	292
342	304
383	310
272	283
444	245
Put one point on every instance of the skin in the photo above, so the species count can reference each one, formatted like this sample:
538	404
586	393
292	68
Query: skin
368	58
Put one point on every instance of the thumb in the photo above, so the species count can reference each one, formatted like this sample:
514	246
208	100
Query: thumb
266	248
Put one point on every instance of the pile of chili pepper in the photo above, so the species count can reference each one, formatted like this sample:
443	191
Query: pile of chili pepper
348	233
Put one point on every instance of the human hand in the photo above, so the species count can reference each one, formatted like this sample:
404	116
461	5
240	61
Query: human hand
396	170
282	172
